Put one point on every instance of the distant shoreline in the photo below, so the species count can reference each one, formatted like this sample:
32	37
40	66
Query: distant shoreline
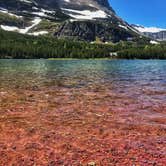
61	59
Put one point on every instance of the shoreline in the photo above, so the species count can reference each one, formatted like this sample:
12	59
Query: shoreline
81	59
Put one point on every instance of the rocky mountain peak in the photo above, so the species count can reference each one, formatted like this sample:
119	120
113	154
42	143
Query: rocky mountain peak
76	19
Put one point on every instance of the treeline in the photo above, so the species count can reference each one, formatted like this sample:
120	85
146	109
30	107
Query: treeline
18	46
14	45
144	52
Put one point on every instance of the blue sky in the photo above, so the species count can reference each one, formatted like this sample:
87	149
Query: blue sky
143	12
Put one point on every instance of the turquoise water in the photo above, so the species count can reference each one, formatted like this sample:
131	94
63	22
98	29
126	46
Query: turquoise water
145	79
116	73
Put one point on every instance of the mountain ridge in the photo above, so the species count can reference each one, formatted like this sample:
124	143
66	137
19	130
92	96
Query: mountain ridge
154	33
75	19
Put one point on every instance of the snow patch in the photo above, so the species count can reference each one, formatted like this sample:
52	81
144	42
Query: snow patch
122	26
67	1
48	11
154	42
43	12
149	29
38	33
26	1
9	28
25	30
85	14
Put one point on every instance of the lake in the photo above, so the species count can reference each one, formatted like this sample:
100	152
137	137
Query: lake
73	112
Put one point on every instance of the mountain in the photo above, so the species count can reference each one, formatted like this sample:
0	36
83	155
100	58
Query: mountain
152	32
75	19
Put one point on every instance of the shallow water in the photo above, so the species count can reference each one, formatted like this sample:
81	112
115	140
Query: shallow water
115	106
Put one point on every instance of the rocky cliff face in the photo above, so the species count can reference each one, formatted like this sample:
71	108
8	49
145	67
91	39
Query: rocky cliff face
76	19
91	30
160	36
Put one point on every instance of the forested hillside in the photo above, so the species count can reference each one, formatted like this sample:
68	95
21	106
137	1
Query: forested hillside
15	45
